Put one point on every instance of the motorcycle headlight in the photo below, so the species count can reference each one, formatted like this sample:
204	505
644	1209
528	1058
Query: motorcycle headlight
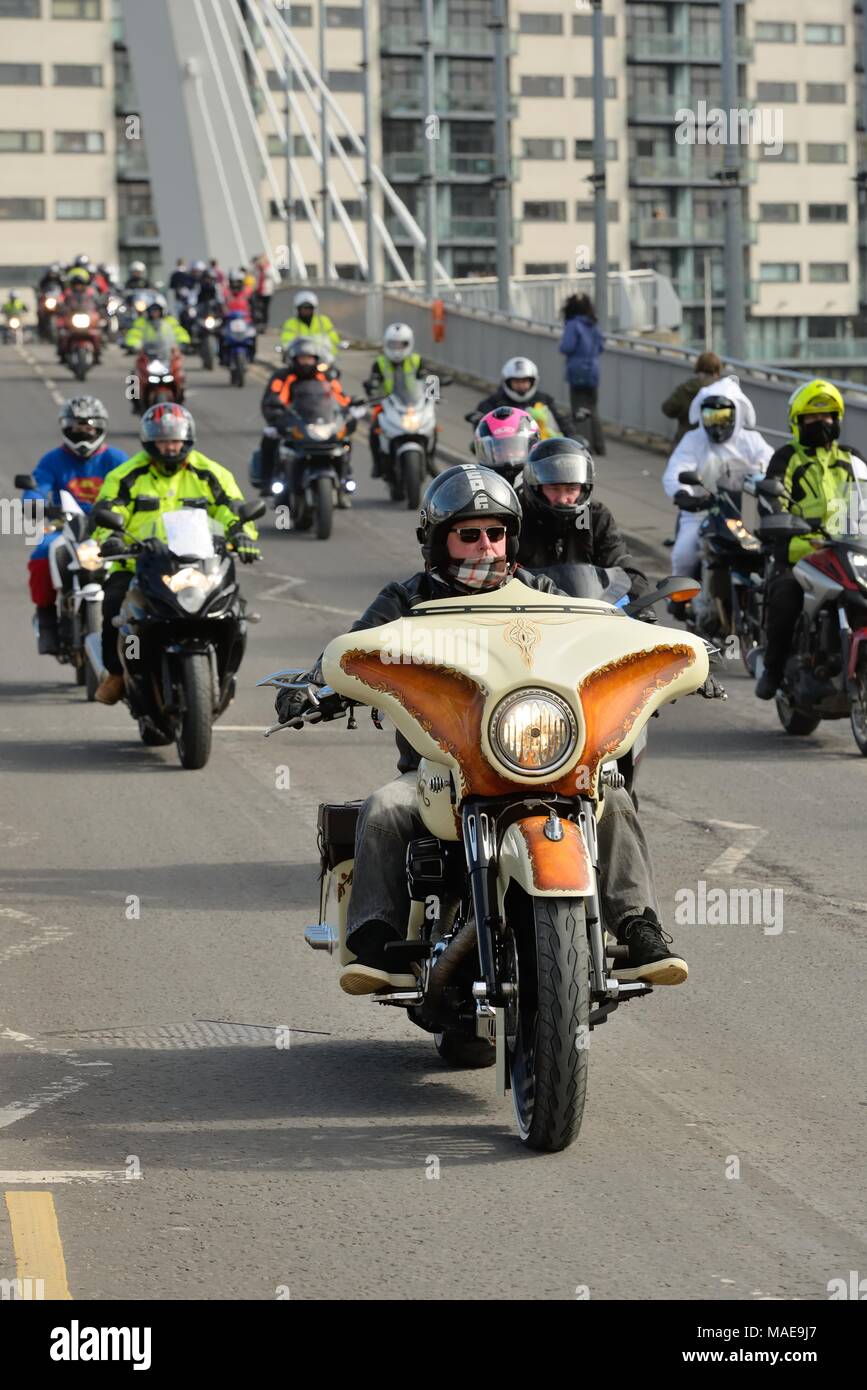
533	731
140	305
81	320
745	538
858	561
321	431
88	556
238	327
210	323
191	587
410	421
277	488
51	303
112	307
14	323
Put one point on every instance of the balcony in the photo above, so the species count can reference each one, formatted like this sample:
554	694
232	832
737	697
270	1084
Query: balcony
125	98
132	160
408	101
673	231
679	48
455	229
466	42
412	164
135	230
691	292
682	169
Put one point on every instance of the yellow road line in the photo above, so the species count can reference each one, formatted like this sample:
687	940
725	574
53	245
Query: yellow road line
36	1241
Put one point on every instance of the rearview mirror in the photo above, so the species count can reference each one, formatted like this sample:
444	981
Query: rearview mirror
251	511
678	590
25	481
771	487
689	476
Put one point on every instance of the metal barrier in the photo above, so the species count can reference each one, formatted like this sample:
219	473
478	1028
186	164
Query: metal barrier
637	374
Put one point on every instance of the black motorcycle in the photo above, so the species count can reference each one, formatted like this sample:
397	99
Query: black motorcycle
312	469
202	320
731	565
183	630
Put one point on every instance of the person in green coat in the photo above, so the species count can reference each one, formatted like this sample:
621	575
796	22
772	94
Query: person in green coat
708	368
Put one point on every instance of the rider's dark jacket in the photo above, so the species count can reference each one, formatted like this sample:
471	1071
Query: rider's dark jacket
595	541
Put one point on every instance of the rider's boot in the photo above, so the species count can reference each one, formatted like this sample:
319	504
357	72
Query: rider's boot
650	959
369	972
46	619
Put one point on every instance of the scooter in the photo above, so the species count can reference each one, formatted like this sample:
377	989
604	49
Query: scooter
78	574
182	630
504	932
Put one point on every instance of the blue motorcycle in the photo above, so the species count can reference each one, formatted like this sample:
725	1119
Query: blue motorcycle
237	346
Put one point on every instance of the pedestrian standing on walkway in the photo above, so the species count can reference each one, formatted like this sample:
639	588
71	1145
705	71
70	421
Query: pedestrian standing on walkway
708	368
265	284
582	344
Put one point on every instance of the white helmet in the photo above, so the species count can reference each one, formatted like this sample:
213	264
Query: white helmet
398	341
138	268
305	297
515	369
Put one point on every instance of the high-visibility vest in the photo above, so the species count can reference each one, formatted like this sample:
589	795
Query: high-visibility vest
386	368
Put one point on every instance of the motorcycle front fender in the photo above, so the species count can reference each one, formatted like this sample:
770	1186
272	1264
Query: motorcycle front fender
545	868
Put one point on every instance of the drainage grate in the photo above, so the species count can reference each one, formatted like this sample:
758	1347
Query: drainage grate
181	1035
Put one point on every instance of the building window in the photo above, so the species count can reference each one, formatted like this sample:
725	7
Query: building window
583	24
343	16
827	212
545	212
471	84
789	154
824	33
546	268
829	272
19	9
353	208
80	209
21	142
767	31
779	212
277	212
20	74
79	142
826	92
340	81
77	75
22	209
585	211
583	86
584	149
301	15
780	272
537	148
826	154
776	91
540	23
76	9
541	86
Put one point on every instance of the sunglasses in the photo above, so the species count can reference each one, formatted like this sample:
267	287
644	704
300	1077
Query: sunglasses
471	534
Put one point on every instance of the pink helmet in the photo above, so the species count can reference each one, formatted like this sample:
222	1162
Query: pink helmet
504	438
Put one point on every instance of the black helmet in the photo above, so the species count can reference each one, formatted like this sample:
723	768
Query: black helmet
467	490
83	424
558	461
718	415
167	421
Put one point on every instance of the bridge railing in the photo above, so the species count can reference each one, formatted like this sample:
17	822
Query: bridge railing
637	374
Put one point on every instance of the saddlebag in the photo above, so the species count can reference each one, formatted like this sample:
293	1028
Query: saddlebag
336	824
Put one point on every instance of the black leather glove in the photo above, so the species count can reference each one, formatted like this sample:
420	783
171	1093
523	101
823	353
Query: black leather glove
290	704
246	548
689	502
112	545
712	690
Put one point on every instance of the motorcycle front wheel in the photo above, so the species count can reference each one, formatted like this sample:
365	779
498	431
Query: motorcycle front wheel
324	508
547	1023
795	721
207	353
858	704
411	467
194	736
94	624
80	364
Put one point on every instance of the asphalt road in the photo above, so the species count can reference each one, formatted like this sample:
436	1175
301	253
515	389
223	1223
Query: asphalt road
722	1152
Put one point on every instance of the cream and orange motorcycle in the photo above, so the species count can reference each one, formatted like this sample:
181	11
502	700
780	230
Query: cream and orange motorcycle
519	704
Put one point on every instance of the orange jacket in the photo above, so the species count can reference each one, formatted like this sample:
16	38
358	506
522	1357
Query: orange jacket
281	386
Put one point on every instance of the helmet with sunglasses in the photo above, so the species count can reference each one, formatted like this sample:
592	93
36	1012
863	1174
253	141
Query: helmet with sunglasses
83	425
470	493
718	416
398	341
557	462
167	423
504	438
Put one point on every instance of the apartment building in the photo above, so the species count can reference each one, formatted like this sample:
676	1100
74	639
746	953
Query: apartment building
58	193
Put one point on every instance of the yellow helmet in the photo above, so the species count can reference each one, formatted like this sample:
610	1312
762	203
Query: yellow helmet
815	398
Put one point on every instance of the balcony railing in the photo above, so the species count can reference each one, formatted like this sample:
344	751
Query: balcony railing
679	48
413	164
455	228
689	231
651	106
691	292
685	169
132	160
453	38
408	101
135	230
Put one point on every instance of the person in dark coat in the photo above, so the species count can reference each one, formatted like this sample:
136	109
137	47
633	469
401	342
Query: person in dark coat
708	368
582	344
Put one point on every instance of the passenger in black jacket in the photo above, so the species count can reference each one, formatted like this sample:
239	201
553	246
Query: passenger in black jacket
467	499
561	525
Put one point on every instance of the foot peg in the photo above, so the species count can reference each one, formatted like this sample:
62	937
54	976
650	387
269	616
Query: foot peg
321	937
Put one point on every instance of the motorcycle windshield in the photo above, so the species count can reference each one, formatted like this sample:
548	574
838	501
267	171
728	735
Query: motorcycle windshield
588	581
847	515
313	401
409	391
443	673
160	347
